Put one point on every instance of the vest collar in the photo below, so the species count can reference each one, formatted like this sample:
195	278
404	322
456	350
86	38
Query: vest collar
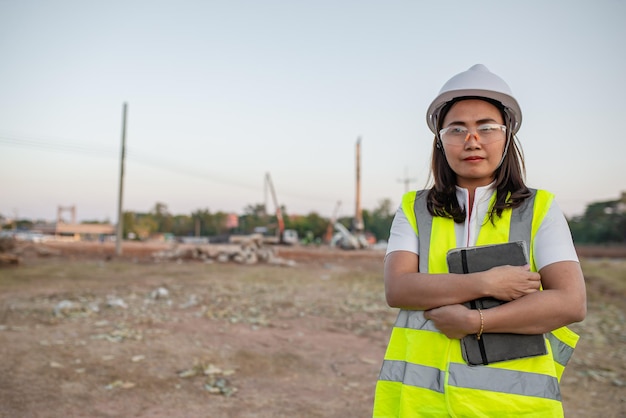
482	194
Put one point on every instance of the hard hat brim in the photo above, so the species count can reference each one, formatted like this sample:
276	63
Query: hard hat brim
510	104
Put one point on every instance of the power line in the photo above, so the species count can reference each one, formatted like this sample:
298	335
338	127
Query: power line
66	146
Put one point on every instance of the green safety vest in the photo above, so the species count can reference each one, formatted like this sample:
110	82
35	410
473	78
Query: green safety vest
423	372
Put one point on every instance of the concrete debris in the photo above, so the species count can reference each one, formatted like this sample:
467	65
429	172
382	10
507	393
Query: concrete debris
64	306
68	308
249	249
214	378
116	302
160	293
7	246
12	250
220	386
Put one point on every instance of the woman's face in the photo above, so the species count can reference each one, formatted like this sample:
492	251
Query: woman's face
474	162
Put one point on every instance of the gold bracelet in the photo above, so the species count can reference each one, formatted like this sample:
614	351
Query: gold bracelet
482	324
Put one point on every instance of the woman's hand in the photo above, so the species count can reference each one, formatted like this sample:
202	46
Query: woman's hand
511	282
407	288
455	321
504	282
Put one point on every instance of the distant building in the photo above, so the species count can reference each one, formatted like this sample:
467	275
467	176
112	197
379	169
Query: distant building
77	232
73	230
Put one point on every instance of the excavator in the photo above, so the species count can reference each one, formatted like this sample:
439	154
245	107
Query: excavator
343	238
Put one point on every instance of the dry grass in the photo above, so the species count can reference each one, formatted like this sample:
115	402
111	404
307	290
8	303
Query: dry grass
611	271
304	341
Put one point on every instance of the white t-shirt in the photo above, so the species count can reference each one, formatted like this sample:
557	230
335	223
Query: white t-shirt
553	241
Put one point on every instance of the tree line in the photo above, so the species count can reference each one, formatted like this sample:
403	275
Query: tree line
601	223
311	228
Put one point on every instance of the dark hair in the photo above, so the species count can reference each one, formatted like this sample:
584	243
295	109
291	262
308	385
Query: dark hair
511	191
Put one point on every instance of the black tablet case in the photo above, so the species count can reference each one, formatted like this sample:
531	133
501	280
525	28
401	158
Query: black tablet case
493	347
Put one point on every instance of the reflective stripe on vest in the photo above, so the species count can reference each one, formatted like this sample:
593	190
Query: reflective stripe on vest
416	355
461	375
413	374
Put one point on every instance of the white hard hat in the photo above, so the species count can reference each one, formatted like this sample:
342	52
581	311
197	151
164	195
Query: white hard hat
478	81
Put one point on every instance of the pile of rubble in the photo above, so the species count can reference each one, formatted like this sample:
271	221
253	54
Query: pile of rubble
12	250
7	246
249	249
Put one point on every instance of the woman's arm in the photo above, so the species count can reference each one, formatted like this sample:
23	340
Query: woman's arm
563	301
406	288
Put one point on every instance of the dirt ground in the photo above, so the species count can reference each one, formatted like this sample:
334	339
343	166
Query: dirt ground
86	334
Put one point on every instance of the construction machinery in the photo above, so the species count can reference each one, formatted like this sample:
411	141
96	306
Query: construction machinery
344	238
347	240
328	236
283	236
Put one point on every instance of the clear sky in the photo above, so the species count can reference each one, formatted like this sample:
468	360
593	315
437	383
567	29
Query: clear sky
221	92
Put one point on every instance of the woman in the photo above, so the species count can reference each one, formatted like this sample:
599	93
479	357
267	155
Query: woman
478	197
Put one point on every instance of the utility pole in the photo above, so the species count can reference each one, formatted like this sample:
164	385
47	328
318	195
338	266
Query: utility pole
279	214
120	220
358	217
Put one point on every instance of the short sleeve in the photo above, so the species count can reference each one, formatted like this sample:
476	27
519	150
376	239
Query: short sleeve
402	236
553	241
